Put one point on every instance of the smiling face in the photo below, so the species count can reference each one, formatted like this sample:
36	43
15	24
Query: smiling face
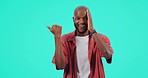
80	21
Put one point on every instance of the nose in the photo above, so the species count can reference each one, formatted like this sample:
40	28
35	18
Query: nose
81	21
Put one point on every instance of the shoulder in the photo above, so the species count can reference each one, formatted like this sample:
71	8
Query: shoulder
68	36
104	38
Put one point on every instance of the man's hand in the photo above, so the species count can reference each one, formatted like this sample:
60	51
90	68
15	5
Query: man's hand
90	24
56	30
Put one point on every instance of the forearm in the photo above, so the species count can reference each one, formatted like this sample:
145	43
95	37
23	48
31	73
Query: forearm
59	56
103	47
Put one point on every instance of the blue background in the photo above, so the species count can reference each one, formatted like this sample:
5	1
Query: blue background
27	46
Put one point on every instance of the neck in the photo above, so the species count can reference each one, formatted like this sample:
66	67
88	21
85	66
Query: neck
82	34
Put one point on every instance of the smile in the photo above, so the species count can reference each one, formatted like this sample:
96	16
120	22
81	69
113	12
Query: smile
82	26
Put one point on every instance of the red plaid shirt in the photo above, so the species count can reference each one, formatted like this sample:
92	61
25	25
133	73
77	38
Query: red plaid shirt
94	56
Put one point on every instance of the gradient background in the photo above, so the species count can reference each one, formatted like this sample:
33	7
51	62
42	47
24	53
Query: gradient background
27	46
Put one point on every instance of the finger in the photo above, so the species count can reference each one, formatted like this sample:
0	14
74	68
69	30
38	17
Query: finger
60	28
49	28
88	14
90	24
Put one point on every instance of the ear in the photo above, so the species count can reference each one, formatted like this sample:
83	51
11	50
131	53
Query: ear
73	19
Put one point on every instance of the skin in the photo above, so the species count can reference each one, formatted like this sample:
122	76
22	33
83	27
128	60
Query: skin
59	56
80	21
83	24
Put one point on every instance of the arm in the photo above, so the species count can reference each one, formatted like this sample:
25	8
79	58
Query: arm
103	47
59	56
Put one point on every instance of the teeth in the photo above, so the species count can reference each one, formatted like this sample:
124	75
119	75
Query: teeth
81	25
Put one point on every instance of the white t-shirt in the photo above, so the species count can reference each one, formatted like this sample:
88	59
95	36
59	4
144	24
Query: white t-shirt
82	56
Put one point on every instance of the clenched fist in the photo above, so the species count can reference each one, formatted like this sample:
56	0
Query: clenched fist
56	30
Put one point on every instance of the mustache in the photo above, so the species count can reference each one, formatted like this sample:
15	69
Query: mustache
80	24
78	29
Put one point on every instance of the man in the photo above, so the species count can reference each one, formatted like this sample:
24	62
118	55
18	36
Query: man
79	52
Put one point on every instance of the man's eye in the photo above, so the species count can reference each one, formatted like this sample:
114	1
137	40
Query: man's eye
77	18
85	18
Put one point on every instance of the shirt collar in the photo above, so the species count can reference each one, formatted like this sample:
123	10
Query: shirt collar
72	36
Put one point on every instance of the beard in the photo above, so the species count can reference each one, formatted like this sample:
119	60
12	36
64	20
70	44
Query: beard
81	32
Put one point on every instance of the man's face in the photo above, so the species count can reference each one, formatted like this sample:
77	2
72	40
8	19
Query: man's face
80	21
